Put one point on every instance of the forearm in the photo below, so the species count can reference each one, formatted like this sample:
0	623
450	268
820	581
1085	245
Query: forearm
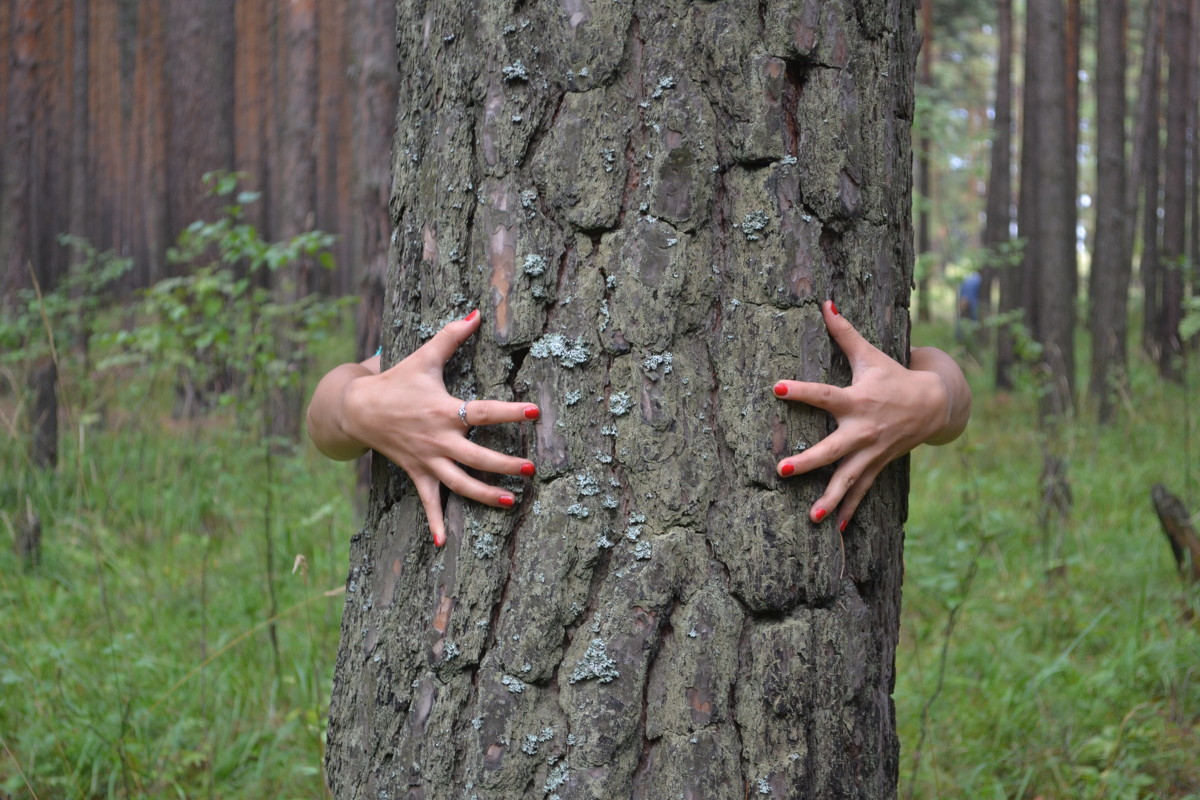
958	392
328	420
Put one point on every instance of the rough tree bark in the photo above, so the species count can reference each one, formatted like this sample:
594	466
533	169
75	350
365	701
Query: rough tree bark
648	200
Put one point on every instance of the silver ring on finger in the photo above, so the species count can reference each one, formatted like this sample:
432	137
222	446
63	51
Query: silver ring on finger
462	414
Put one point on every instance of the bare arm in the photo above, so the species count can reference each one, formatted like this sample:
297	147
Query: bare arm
958	393
328	426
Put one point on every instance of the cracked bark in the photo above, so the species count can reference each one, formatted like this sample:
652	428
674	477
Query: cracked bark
648	201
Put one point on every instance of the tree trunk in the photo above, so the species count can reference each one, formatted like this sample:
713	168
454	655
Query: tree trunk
648	200
925	172
1151	154
373	45
298	196
1174	241
16	221
996	233
1110	265
1050	233
150	98
199	126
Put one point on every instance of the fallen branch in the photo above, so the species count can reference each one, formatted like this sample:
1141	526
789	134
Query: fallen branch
1177	525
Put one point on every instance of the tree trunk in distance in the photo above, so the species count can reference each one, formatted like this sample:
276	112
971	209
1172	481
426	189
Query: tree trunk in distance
1174	223
1109	290
200	71
298	196
1051	245
996	233
1147	85
16	199
1017	290
373	45
925	173
648	200
1151	154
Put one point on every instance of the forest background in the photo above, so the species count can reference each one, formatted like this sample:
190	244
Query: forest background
170	607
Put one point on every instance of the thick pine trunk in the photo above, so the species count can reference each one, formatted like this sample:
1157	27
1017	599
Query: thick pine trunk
648	200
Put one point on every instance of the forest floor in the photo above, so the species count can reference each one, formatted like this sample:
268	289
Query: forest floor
152	653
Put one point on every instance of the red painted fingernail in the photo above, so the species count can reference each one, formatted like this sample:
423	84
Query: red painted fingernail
781	389
833	307
531	412
842	525
528	470
471	317
507	500
787	469
819	514
439	541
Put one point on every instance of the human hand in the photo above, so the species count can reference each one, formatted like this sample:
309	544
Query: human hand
885	412
407	414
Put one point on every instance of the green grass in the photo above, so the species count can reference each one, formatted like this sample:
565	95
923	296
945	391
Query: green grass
1070	669
135	660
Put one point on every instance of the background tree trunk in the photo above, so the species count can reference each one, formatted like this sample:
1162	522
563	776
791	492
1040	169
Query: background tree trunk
16	221
199	81
648	200
997	234
1151	154
373	45
1109	293
925	173
1175	194
1050	229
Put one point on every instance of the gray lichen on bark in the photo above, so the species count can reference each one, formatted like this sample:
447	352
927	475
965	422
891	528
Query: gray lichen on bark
648	201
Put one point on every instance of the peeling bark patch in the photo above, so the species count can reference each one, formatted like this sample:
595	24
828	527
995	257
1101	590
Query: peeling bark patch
429	252
502	255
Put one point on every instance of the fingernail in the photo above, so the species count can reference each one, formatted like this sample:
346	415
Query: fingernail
471	317
528	470
507	500
787	469
532	412
439	540
842	525
819	514
781	389
833	307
